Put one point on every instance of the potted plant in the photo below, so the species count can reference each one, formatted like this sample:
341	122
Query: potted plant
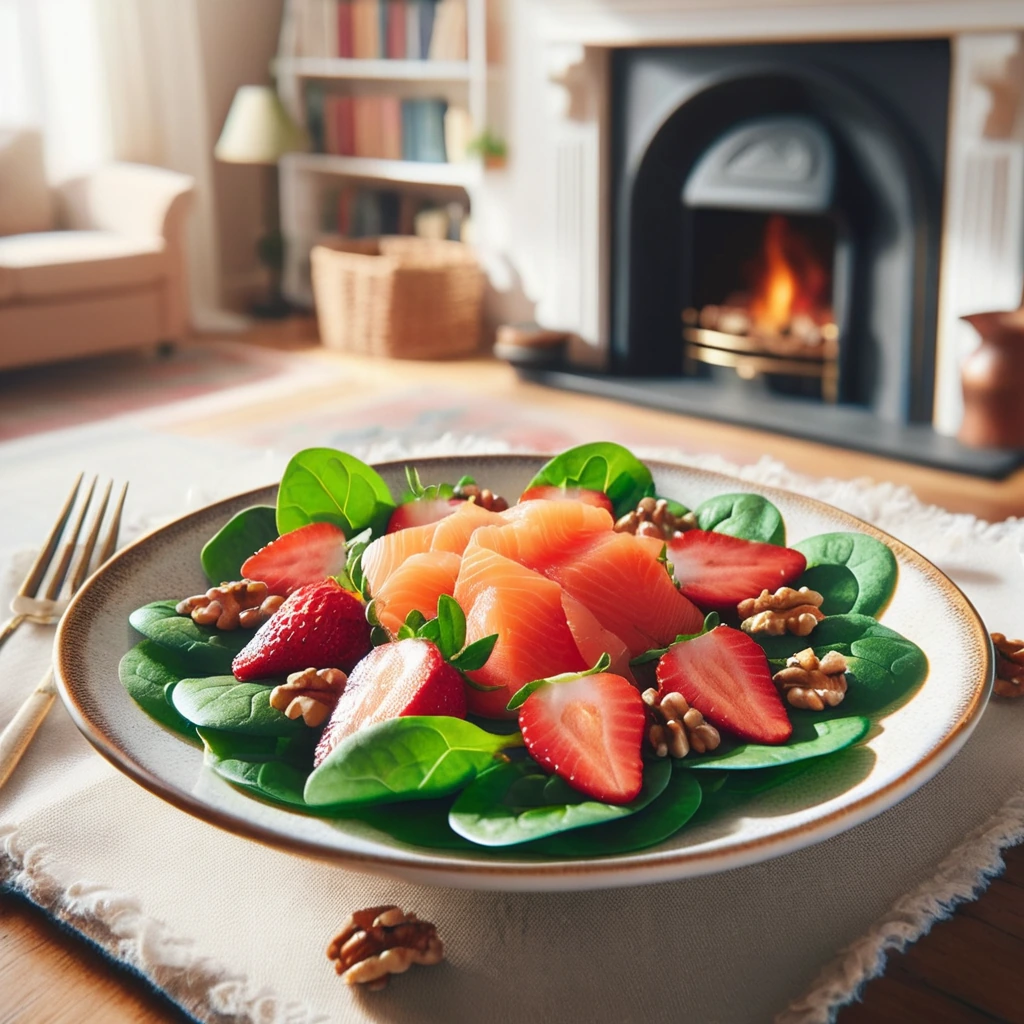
490	148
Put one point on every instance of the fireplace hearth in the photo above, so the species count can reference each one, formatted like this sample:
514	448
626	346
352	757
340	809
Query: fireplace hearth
776	238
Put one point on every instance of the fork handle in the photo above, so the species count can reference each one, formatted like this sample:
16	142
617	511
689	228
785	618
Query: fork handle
18	733
9	627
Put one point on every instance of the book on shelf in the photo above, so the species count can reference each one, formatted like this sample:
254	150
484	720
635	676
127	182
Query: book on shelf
355	211
382	29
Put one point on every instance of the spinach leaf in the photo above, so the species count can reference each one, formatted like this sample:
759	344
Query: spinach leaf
276	781
149	673
811	738
321	485
419	823
601	466
660	819
202	649
852	571
516	802
415	757
748	516
222	702
241	536
884	665
241	746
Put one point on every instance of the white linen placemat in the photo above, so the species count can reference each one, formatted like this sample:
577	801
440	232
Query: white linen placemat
236	932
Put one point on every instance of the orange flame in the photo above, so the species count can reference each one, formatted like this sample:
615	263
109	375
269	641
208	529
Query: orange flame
779	287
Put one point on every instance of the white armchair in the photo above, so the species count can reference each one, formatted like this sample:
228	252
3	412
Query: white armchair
93	265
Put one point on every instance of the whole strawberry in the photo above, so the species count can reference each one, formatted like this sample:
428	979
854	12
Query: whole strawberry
322	625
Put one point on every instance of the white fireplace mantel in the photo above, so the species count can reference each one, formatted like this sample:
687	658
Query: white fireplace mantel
559	130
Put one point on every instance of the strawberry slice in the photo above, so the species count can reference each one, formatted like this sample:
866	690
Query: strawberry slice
725	676
306	555
410	677
322	625
549	493
590	731
422	512
717	571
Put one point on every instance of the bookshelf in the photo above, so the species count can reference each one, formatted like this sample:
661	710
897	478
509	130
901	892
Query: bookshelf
306	66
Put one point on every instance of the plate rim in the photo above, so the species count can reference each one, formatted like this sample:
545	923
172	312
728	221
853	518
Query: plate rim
434	867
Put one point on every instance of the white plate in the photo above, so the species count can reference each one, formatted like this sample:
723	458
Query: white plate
905	749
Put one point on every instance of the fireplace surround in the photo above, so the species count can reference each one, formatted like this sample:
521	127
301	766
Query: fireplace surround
917	134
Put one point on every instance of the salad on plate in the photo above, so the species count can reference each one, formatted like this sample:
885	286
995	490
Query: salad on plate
576	671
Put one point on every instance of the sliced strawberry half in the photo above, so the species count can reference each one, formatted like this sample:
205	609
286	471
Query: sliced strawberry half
548	493
717	571
306	555
725	676
589	731
322	625
422	512
410	677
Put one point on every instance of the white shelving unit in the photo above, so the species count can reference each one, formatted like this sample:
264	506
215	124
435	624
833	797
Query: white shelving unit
305	178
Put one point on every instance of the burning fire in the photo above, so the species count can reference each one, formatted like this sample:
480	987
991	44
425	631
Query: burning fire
791	281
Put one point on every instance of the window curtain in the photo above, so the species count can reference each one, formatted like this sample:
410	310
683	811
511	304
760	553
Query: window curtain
119	80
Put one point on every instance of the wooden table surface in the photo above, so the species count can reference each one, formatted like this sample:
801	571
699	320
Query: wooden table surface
967	970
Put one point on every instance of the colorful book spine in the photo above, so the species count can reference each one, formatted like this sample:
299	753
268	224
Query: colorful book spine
412	30
396	29
345	40
427	10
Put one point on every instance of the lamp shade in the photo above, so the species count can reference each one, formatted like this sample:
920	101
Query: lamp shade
258	129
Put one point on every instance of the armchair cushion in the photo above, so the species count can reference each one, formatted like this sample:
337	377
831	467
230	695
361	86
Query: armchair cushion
26	203
56	263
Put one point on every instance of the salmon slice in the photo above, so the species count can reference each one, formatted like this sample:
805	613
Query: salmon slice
593	640
454	531
525	610
416	584
619	578
537	533
387	553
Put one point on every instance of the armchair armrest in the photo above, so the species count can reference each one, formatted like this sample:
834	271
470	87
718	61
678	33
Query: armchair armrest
131	199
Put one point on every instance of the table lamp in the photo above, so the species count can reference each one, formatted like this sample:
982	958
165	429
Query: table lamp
258	130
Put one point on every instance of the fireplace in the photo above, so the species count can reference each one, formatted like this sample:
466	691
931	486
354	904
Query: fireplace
775	217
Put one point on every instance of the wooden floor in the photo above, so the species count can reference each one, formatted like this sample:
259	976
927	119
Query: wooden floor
968	970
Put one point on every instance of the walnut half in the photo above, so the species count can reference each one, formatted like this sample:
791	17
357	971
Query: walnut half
678	728
785	611
808	683
653	518
377	942
244	603
311	693
1009	666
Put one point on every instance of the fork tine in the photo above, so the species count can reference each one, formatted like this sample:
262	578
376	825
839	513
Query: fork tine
35	575
68	551
82	569
110	544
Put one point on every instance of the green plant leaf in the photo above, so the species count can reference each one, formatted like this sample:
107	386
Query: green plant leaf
276	781
149	673
811	738
475	655
321	485
748	516
296	749
452	625
711	621
415	757
517	802
884	665
601	466
418	492
655	823
418	823
519	697
202	649
855	573
222	702
241	536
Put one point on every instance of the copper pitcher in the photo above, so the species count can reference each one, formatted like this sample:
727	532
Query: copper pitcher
993	382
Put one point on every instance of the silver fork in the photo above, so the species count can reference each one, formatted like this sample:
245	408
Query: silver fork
46	610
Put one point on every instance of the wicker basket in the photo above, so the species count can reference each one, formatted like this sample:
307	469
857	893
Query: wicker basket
410	298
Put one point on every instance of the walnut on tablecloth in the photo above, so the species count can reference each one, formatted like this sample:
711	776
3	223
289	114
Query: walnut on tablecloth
244	603
813	684
678	728
377	942
652	517
785	611
1009	666
311	693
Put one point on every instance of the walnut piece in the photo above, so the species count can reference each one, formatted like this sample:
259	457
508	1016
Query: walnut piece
808	683
377	942
785	611
1009	666
482	496
245	603
311	694
653	518
678	728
